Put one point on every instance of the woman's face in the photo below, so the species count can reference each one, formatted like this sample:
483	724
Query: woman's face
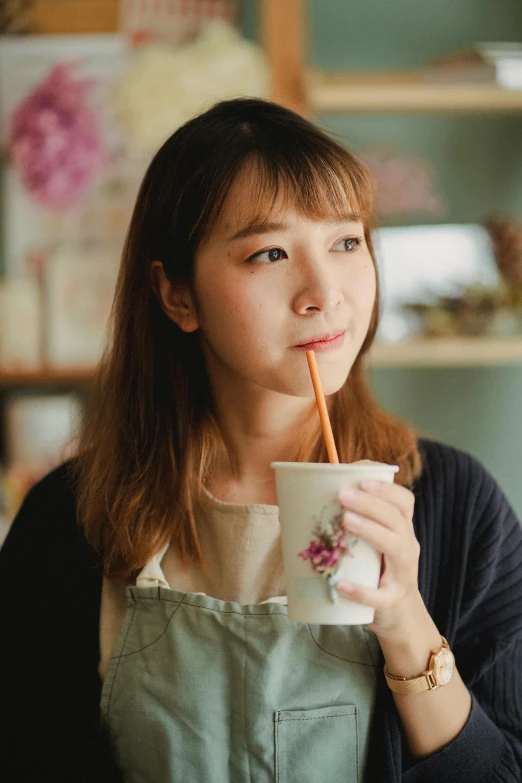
261	293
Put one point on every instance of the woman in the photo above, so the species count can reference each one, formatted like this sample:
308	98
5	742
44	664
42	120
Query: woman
151	563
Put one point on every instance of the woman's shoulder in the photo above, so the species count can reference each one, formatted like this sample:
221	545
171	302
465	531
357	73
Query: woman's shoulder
441	457
50	505
57	488
458	502
45	529
471	542
58	482
457	472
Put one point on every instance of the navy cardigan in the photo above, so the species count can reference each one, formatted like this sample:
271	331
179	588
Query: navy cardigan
470	577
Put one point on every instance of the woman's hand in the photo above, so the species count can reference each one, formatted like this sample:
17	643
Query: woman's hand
381	514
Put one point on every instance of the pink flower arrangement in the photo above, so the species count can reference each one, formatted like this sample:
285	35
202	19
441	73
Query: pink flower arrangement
322	556
56	141
405	184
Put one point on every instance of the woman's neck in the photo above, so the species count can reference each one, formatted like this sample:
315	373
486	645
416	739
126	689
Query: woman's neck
255	436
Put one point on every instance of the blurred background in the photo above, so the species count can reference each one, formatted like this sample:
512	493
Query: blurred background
429	95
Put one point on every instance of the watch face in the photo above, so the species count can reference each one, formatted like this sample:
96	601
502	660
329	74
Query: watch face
444	663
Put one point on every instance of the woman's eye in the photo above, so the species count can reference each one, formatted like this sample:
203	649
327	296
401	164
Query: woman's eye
348	245
269	256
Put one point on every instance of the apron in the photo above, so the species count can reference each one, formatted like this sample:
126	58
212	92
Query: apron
201	690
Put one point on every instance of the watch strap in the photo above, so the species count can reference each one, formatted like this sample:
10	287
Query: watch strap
423	682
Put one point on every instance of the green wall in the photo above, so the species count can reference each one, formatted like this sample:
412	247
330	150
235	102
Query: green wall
478	169
476	160
475	409
404	33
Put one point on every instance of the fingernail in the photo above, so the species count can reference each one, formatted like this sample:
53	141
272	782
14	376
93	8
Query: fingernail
370	485
346	587
349	494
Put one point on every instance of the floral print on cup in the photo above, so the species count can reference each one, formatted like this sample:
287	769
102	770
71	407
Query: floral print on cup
330	544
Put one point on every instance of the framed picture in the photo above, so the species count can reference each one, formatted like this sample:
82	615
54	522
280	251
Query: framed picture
45	206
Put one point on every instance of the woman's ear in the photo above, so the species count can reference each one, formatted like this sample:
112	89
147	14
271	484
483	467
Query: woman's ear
174	298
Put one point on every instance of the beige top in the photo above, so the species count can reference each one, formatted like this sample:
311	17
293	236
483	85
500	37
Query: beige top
242	549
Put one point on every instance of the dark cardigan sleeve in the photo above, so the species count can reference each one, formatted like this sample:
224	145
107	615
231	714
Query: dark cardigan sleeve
50	587
483	609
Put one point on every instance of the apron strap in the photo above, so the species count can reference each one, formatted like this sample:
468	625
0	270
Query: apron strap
152	575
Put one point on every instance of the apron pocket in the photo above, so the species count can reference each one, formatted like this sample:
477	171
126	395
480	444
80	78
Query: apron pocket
317	745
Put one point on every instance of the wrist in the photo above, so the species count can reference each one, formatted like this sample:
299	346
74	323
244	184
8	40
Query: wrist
407	649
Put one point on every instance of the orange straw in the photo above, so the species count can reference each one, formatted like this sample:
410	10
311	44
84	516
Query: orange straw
323	410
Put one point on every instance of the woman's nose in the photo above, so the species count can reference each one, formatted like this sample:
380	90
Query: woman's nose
317	293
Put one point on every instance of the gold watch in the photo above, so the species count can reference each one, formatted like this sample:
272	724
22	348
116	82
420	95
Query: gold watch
439	672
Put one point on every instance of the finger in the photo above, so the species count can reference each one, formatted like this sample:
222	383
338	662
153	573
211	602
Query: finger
378	599
376	499
372	507
384	540
402	497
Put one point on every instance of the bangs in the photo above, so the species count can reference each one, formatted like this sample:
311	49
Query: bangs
326	185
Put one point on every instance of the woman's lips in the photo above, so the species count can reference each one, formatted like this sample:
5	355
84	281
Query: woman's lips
323	344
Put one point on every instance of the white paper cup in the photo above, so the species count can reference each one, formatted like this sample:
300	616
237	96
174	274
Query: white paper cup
307	496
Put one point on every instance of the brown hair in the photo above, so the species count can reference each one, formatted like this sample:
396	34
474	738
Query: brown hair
149	439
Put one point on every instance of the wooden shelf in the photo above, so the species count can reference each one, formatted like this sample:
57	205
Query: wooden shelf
46	377
73	16
403	91
448	352
283	33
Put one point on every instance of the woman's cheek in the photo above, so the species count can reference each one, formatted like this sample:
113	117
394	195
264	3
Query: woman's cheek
368	283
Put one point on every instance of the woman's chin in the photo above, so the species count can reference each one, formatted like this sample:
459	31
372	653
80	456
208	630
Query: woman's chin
331	382
331	386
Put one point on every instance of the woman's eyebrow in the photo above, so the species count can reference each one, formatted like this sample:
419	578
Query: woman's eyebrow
257	228
264	227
